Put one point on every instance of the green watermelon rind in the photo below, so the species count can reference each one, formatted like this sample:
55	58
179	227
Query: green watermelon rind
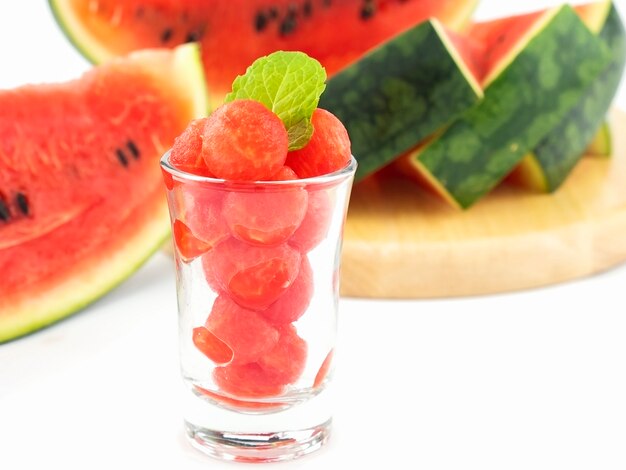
475	153
76	33
559	152
58	303
400	93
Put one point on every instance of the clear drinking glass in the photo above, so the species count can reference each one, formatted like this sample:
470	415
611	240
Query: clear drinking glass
257	271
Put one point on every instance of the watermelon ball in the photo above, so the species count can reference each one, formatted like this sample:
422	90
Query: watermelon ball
245	141
284	174
265	217
186	153
247	381
211	346
327	151
254	276
287	359
200	209
245	332
294	302
315	224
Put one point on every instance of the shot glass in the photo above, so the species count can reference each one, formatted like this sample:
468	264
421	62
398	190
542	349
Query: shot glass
257	273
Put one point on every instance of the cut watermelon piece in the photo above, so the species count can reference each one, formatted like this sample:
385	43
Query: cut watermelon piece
400	93
314	227
287	359
296	299
245	332
244	141
328	149
529	88
81	183
234	33
554	158
248	381
265	217
198	222
254	276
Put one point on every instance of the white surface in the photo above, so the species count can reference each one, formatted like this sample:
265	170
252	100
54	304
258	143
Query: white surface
531	380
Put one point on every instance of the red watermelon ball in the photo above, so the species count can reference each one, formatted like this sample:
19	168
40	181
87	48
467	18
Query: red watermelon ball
287	359
245	332
315	224
201	211
294	302
284	174
254	276
247	381
186	153
328	150
267	217
244	141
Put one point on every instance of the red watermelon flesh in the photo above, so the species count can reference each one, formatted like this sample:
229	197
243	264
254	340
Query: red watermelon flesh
247	333
499	37
286	360
234	33
254	276
80	186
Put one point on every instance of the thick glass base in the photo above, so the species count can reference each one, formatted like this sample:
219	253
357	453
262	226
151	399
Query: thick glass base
258	447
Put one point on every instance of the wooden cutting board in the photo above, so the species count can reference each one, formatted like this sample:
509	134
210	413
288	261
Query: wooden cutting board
402	242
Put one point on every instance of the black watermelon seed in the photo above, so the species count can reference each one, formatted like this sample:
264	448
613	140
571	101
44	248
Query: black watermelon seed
288	25
121	157
193	36
5	215
368	10
134	151
307	8
260	21
166	35
22	203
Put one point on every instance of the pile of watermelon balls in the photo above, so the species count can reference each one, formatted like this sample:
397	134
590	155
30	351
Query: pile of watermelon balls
254	244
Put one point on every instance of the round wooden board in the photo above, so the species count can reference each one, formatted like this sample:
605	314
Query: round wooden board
402	242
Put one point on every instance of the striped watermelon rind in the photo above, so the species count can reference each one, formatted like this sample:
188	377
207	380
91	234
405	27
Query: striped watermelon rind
558	152
530	96
400	93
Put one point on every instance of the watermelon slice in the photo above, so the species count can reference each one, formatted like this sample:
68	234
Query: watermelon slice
553	159
81	194
533	78
234	33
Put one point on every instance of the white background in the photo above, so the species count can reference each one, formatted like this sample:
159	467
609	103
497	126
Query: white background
532	380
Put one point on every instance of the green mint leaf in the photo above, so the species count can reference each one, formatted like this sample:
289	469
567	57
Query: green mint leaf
288	83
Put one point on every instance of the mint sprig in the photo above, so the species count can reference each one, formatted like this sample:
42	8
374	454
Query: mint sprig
288	83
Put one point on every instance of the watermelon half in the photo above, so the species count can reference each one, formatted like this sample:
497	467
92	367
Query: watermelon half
82	203
234	33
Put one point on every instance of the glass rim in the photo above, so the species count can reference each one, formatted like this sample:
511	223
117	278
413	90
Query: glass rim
336	176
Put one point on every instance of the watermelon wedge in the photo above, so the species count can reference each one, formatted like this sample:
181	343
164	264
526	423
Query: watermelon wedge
81	198
234	33
552	160
537	68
